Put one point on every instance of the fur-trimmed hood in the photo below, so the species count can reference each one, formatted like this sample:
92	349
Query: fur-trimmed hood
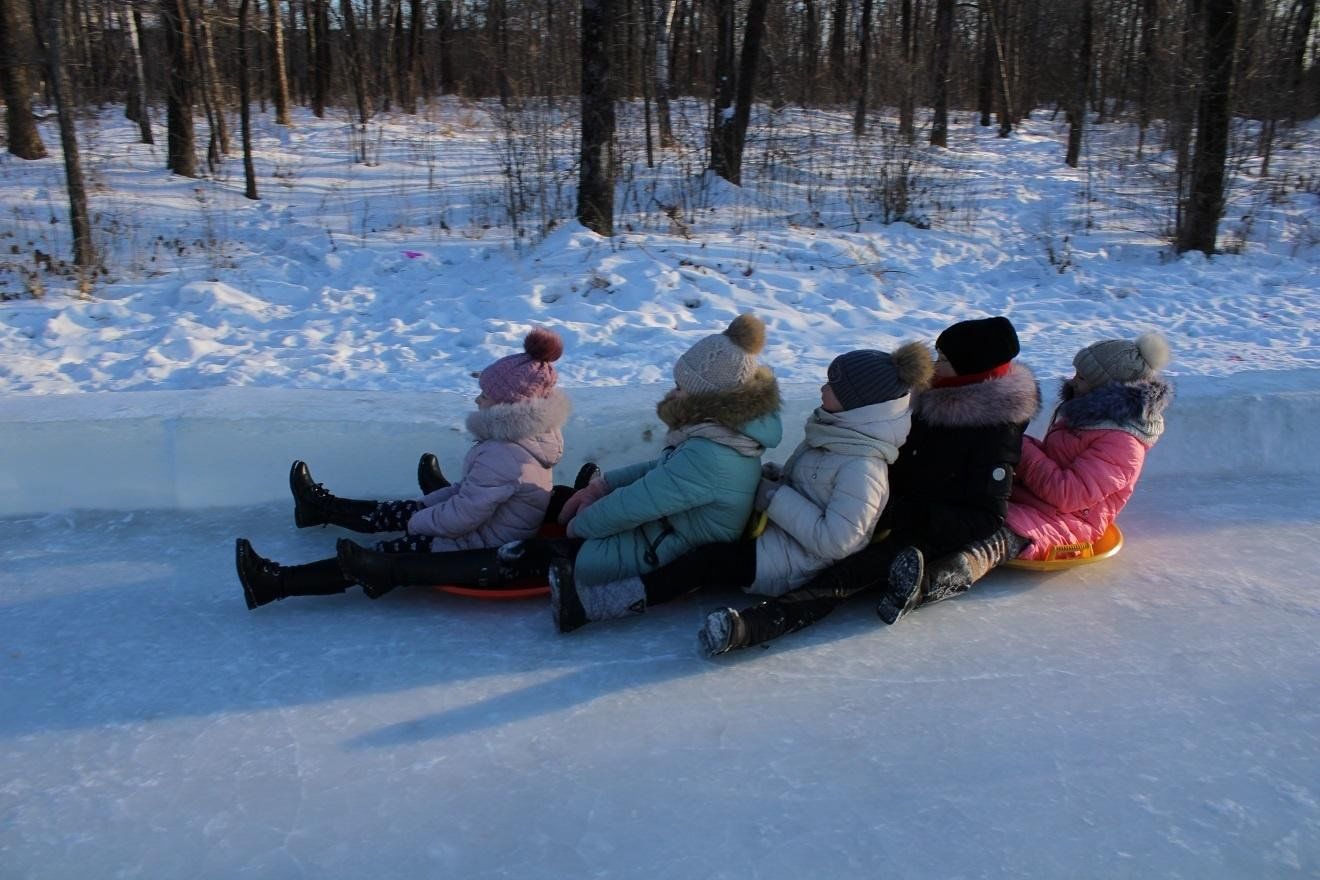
1135	407
535	424
1009	400
733	409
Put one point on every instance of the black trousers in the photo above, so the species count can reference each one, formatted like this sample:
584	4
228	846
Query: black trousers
865	571
711	565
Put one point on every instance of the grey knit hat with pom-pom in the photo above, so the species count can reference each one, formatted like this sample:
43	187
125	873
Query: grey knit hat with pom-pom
1122	360
865	377
722	361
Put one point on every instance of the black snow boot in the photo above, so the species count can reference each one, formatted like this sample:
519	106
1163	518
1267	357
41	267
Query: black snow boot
265	581
378	572
314	505
429	477
905	589
565	604
723	631
559	494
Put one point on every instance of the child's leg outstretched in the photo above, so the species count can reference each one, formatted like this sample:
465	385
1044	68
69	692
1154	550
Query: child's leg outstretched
727	629
314	505
265	581
954	574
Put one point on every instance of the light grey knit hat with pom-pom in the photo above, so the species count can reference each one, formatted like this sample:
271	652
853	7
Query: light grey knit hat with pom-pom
722	361
1122	360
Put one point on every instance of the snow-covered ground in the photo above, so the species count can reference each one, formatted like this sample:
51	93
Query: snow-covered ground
1150	716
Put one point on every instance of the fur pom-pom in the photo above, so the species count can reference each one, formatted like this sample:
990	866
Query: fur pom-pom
1154	350
913	363
543	345
747	332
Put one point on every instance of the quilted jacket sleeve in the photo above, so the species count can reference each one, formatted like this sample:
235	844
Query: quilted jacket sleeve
843	526
490	480
683	481
1109	461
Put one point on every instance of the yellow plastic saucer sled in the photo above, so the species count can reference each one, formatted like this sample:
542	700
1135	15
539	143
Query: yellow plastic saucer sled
1069	555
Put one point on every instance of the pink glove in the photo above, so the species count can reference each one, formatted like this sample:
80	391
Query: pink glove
583	498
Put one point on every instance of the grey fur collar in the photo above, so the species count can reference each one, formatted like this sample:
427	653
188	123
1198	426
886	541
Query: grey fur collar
1135	407
1009	400
732	409
521	420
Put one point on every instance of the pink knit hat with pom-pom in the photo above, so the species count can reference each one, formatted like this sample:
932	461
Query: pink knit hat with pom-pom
527	375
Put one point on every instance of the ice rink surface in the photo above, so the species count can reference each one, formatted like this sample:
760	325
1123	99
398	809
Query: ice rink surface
1155	715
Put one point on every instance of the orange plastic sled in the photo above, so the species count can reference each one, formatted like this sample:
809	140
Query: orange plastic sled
528	589
1070	555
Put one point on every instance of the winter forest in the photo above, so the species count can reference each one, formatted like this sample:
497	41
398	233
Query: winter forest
586	100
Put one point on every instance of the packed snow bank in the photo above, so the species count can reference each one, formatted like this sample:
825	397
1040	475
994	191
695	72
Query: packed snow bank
233	446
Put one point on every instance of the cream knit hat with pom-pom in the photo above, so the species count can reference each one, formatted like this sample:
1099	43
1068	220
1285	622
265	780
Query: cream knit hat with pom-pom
722	361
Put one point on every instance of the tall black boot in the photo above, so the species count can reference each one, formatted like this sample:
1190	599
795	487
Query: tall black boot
378	572
265	581
314	505
429	477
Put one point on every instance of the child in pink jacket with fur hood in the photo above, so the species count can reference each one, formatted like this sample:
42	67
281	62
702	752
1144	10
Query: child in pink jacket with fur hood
502	495
1071	485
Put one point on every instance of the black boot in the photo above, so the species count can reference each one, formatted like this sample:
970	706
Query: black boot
723	631
584	475
565	605
429	477
265	581
314	505
559	494
906	583
378	572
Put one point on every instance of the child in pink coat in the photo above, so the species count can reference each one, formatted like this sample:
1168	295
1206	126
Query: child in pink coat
1070	486
502	495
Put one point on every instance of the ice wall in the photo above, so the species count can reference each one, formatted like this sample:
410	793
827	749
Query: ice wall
232	446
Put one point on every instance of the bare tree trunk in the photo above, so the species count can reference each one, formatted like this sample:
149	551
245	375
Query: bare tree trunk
1213	115
322	64
742	113
244	104
939	125
49	25
132	23
279	67
1297	75
810	53
445	25
20	126
906	100
721	126
663	23
1081	90
595	203
212	95
863	69
1001	65
839	49
181	140
416	32
1149	34
985	78
357	74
